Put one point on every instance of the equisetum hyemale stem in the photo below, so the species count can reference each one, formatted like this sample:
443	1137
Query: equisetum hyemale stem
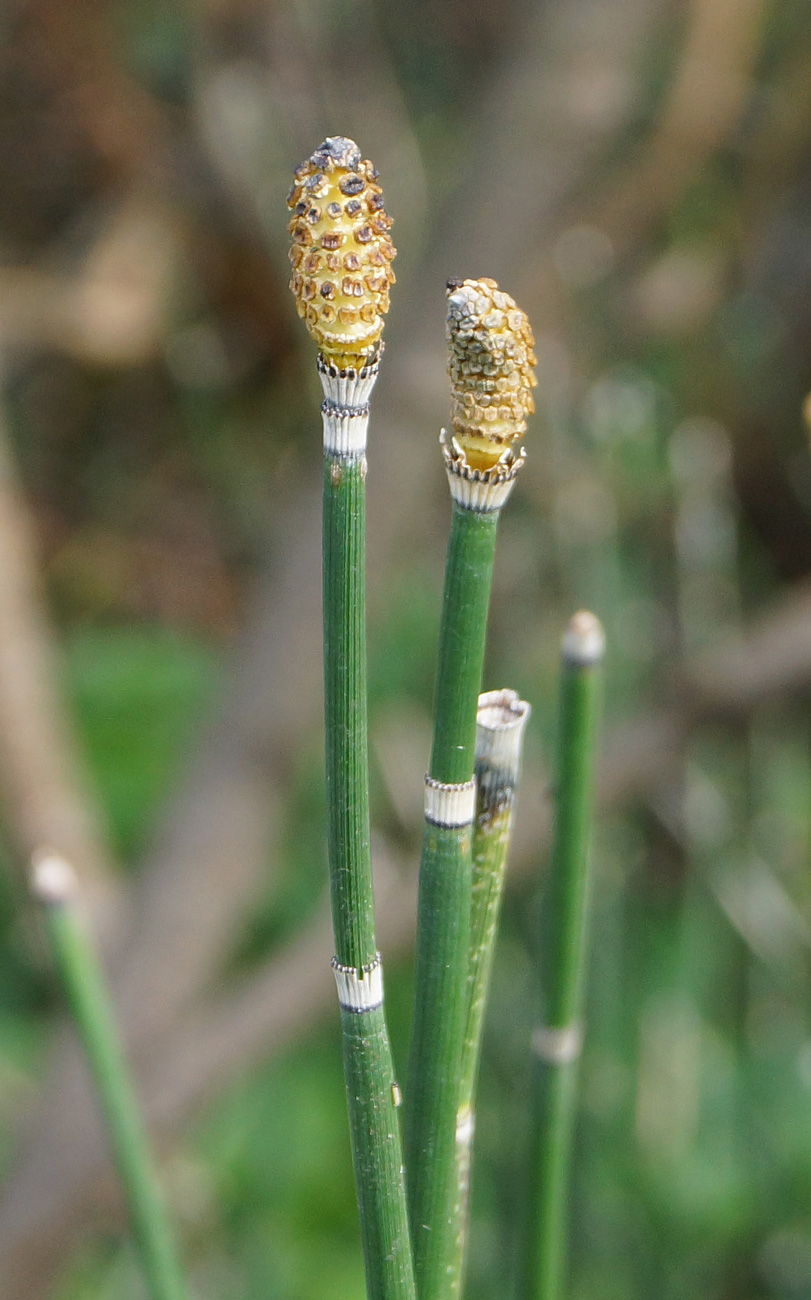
491	375
55	887
557	1042
500	724
341	274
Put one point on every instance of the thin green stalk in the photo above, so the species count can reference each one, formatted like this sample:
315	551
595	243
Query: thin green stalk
443	918
558	1042
55	886
372	1093
501	721
490	368
342	297
465	602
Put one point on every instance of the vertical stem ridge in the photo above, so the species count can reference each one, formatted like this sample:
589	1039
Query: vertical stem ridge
368	1066
432	1098
463	630
377	1154
345	707
443	922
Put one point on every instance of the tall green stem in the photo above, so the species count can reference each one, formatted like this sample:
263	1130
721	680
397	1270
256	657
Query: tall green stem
81	976
501	721
443	919
558	1042
372	1093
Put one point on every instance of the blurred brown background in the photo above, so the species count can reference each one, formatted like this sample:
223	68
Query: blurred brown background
637	174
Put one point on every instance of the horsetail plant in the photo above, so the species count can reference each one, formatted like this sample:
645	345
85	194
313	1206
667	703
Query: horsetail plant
55	887
341	259
558	1042
490	368
500	724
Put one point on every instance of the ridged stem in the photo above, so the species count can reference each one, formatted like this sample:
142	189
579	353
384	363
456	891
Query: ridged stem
90	1005
372	1094
557	1043
443	922
463	630
501	721
346	754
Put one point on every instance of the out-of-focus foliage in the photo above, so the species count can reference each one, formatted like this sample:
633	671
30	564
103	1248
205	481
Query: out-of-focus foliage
160	411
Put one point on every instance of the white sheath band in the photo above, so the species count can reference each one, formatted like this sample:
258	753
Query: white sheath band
465	1126
558	1046
482	491
472	492
500	721
345	430
347	387
359	992
449	805
584	640
53	880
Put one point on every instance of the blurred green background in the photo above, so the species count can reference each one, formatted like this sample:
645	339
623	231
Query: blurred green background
637	173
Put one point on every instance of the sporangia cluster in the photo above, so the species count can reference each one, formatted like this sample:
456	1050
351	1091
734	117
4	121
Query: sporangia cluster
342	252
491	370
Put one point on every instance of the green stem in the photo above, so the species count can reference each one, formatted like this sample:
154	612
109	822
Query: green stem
345	710
557	1043
372	1094
443	921
501	721
90	1006
463	629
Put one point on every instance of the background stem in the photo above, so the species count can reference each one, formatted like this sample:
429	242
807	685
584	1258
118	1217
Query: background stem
89	1002
501	720
557	1043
